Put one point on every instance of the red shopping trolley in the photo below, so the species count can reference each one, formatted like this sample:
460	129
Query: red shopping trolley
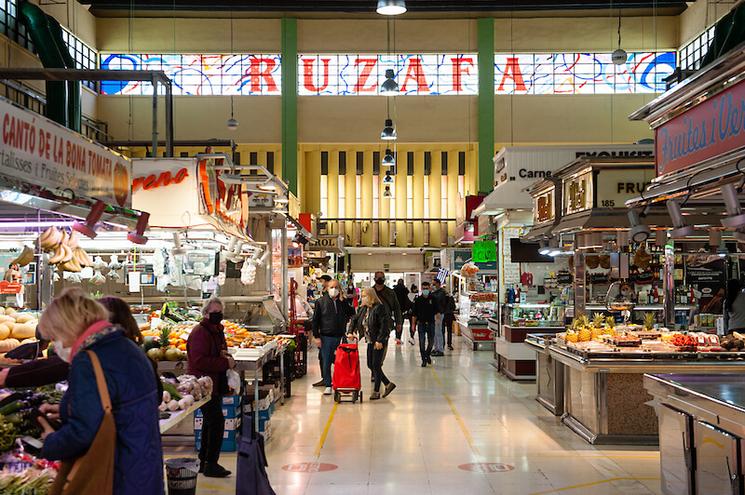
346	379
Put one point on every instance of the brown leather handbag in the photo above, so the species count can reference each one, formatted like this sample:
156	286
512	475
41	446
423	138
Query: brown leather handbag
93	472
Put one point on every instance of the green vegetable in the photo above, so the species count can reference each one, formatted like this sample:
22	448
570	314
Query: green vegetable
14	406
171	389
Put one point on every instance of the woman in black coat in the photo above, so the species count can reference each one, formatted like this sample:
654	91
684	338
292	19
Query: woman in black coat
374	322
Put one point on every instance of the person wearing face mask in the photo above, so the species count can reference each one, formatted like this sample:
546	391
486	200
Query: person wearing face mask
207	355
373	321
388	297
325	279
330	320
85	338
423	316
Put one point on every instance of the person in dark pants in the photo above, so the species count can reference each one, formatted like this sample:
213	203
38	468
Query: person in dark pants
325	279
207	354
330	320
423	315
439	297
374	322
448	320
402	296
388	297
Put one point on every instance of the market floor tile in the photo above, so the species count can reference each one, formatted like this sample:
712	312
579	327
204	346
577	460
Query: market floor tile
455	428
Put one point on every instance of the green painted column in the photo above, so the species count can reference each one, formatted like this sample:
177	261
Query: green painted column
485	33
289	103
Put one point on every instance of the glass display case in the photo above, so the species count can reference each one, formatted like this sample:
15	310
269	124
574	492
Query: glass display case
477	307
257	313
534	315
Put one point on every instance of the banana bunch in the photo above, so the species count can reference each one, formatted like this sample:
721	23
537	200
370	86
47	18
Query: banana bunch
64	250
23	259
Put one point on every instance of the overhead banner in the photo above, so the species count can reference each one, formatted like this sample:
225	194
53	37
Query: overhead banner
39	154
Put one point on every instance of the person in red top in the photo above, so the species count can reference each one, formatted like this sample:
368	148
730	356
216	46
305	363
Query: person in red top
207	354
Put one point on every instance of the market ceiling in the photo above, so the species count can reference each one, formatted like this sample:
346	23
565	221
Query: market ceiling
415	7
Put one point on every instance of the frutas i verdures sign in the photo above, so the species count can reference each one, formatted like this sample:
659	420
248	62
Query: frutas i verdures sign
709	129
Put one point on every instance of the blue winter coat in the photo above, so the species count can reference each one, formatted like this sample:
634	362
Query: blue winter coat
138	463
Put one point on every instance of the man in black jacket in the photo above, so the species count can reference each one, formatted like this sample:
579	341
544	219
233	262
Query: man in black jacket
388	297
439	297
423	316
325	279
329	326
402	296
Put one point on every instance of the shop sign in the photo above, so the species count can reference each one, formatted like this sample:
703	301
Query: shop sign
543	207
711	128
577	193
325	243
163	179
182	207
39	153
484	251
615	187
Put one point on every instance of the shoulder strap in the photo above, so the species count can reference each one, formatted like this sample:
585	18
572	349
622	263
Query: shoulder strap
103	390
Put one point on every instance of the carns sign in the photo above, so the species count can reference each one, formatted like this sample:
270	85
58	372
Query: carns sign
709	129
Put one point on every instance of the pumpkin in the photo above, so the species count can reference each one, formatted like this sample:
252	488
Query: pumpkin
23	331
4	331
8	345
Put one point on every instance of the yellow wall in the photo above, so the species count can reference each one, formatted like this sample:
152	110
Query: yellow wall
700	15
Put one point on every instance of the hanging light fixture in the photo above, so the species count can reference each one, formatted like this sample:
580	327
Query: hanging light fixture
391	7
389	86
639	232
735	218
232	122
389	132
619	56
389	160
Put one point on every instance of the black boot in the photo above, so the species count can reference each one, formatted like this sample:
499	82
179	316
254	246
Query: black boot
214	470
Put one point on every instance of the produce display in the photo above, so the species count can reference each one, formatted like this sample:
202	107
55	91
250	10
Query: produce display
16	328
182	392
63	249
18	411
36	480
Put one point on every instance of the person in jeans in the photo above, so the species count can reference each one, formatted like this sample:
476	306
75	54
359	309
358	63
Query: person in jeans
207	355
374	322
439	297
388	297
423	315
330	320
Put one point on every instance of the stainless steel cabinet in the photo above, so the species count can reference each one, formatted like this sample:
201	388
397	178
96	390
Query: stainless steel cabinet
718	461
676	452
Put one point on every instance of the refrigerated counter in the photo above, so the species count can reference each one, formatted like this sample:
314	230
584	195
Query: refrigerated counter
549	373
702	432
605	401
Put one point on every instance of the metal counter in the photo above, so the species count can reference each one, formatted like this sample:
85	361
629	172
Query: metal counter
702	427
477	334
549	373
605	400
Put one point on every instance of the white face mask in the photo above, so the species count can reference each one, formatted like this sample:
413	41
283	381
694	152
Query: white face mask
333	292
64	353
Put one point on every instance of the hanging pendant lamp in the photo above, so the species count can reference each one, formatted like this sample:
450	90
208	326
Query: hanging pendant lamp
391	7
389	160
389	86
389	132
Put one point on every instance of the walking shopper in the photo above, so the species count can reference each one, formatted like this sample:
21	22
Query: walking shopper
390	301
423	316
325	279
330	320
207	354
439	297
96	349
375	322
449	319
402	296
413	293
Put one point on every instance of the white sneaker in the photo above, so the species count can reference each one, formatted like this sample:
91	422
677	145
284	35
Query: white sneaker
327	391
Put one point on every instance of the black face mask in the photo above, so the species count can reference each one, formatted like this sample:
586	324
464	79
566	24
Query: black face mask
215	318
380	280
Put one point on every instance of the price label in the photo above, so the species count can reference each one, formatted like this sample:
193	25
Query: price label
484	251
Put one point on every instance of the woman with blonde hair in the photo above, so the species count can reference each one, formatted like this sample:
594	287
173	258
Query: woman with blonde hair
82	335
374	322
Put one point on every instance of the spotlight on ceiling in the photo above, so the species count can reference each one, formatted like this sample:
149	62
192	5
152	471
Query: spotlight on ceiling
680	228
88	228
232	124
389	86
639	232
389	160
387	192
391	7
735	218
138	235
389	132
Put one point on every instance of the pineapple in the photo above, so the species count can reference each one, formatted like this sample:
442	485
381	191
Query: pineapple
598	320
610	326
649	321
571	336
585	335
165	332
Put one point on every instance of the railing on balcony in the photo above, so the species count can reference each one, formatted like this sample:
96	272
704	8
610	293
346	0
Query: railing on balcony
390	232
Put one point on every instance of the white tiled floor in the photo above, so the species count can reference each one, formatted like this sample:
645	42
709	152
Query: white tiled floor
460	411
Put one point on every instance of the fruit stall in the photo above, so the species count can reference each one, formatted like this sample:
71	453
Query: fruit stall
604	364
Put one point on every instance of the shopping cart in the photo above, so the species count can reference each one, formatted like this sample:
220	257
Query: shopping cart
346	379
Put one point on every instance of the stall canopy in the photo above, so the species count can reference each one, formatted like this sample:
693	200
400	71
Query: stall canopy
45	167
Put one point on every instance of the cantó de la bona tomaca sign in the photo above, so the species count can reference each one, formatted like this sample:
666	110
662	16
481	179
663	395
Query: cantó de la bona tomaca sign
709	129
38	153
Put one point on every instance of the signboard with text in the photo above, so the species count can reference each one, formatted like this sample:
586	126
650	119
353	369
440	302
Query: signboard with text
484	251
709	129
39	153
614	187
